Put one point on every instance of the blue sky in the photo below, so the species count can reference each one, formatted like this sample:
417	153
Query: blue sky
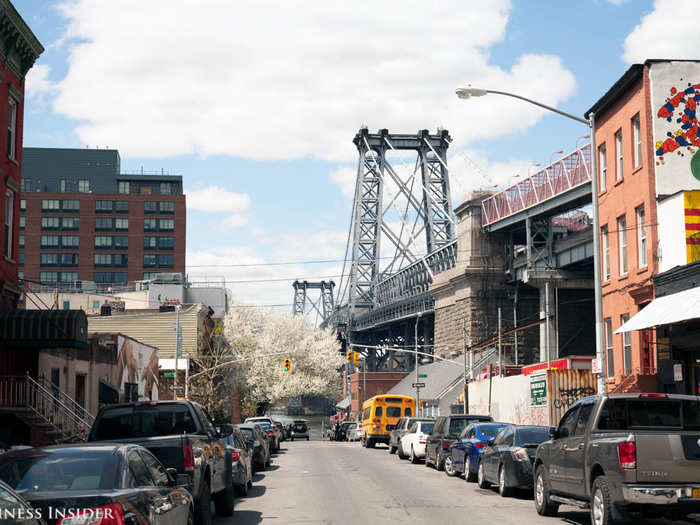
256	106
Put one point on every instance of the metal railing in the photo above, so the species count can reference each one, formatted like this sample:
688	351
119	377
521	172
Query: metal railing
50	404
559	177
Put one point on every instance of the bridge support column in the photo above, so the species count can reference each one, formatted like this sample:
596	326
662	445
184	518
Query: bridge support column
548	329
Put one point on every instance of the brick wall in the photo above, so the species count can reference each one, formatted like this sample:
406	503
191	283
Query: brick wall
377	383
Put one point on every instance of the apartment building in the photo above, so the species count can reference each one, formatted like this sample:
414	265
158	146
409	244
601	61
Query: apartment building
82	219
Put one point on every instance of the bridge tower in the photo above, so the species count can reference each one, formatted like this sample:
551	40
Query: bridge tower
323	305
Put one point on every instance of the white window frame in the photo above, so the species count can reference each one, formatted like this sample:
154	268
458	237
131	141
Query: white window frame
609	349
603	167
622	244
606	252
9	223
642	261
12	129
618	155
124	185
84	186
637	140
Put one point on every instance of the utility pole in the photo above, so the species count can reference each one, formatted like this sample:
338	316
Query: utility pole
178	348
466	385
546	326
500	351
415	345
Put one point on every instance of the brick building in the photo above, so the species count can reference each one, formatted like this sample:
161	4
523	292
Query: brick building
19	48
81	219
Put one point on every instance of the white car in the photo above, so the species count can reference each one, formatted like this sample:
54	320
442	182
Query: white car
412	444
354	432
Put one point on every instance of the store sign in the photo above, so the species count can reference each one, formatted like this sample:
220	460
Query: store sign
596	367
678	372
538	390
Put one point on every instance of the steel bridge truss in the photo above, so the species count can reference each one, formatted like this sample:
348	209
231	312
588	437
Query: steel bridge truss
323	305
433	210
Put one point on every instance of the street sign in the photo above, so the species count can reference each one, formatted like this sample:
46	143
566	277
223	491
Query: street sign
418	385
168	374
538	390
423	376
596	367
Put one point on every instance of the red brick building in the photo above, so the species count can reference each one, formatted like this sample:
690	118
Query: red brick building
19	49
81	219
376	383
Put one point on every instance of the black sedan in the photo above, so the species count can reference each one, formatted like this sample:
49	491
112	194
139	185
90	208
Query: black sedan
507	462
122	484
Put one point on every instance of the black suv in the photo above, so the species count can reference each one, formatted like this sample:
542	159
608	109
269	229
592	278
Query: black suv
445	431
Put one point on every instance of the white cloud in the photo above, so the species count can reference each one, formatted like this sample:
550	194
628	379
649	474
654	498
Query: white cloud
234	221
669	31
345	177
283	80
216	199
38	85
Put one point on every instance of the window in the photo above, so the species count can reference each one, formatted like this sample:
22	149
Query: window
9	218
149	225
618	155
68	277
49	259
21	240
20	276
71	205
124	187
103	241
626	346
66	305
166	188
109	277
22	222
23	205
609	353
584	415
48	277
63	185
157	471
103	259
637	141
121	206
95	304
103	206
166	243
12	129
147	276
20	259
139	472
83	186
606	253
49	241
641	238
104	223
120	241
166	225
26	185
121	224
70	223
166	261
150	243
50	204
378	412
68	259
622	243
167	207
603	167
150	207
149	260
567	425
50	223
70	241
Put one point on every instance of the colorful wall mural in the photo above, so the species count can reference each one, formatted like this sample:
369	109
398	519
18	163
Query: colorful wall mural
138	365
675	95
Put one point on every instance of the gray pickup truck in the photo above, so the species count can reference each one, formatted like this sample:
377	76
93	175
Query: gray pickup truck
621	455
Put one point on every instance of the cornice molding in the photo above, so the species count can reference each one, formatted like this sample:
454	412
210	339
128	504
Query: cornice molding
19	47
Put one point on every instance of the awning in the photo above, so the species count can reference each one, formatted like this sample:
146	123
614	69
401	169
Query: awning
44	328
169	364
669	309
345	403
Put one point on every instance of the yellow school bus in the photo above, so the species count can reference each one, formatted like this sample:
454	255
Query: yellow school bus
380	415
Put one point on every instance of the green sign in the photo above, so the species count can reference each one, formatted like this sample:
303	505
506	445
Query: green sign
168	374
423	375
538	390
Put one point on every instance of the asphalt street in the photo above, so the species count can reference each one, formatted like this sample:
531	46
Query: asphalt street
342	483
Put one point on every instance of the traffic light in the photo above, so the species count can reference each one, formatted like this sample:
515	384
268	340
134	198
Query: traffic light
356	358
287	364
348	357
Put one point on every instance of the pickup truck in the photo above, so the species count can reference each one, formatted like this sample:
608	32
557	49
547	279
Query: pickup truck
621	455
181	435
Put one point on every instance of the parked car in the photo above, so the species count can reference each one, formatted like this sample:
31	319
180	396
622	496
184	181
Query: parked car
623	454
300	430
464	452
122	480
400	429
272	435
181	435
351	432
445	431
241	459
508	461
280	428
26	514
414	440
255	437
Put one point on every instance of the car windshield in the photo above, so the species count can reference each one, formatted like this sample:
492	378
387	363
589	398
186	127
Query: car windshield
490	431
265	426
61	470
144	421
629	413
531	436
299	427
248	433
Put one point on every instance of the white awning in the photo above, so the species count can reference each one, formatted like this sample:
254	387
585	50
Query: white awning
169	364
343	403
669	309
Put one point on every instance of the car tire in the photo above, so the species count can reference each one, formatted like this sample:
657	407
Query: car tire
480	478
427	458
224	501
449	467
602	508
203	505
190	516
504	490
268	462
413	457
242	490
392	450
439	462
292	439
370	443
401	453
307	438
543	505
469	476
250	484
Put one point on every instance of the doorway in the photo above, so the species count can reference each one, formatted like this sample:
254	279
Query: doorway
80	380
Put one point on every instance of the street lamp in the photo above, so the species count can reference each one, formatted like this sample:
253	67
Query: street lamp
533	165
469	92
554	153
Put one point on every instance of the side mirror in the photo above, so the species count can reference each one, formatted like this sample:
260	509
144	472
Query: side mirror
172	475
554	432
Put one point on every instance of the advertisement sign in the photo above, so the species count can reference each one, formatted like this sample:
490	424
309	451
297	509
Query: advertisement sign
675	92
596	367
137	374
538	390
